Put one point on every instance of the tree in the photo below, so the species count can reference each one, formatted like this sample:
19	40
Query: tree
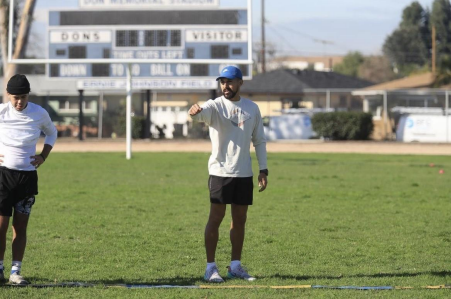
408	47
405	48
350	65
443	76
441	20
376	69
414	15
22	27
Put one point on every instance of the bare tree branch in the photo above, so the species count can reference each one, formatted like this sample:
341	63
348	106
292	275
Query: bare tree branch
9	69
4	32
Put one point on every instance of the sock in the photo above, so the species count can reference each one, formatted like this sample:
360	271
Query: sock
234	264
16	265
1	266
211	265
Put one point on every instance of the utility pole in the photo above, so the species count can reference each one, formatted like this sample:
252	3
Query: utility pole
263	39
434	51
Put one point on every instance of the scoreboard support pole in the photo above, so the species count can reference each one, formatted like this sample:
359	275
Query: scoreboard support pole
447	114
80	115
128	114
148	116
213	94
100	129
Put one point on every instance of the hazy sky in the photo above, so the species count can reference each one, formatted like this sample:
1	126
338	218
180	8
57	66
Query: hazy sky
293	25
350	24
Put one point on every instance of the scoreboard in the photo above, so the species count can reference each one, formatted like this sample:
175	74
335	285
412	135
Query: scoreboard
161	39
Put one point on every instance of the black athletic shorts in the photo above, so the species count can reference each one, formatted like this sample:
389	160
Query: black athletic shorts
16	186
228	190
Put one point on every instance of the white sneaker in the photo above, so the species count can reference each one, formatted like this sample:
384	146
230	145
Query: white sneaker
17	279
212	275
239	272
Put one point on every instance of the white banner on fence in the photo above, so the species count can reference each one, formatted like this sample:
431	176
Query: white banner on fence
141	4
139	84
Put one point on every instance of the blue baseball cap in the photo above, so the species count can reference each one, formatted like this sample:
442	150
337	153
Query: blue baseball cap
230	72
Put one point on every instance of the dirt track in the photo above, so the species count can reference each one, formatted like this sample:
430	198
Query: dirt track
72	145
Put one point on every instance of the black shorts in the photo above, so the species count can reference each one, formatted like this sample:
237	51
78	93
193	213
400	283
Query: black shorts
228	190
16	186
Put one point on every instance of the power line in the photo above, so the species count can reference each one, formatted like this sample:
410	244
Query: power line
409	56
283	39
300	33
305	53
312	38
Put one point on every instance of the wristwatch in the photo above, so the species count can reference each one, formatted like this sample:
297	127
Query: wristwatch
265	171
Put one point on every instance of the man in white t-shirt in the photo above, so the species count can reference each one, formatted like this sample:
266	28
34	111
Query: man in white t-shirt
233	123
21	124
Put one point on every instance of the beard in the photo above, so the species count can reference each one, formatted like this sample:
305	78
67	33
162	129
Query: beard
231	94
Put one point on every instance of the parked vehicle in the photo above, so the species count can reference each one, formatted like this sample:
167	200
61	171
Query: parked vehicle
424	126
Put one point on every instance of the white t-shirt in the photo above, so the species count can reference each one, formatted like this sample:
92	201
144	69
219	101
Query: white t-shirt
19	134
233	125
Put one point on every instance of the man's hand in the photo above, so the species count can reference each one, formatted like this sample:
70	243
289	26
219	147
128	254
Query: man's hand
1	159
262	182
37	160
195	109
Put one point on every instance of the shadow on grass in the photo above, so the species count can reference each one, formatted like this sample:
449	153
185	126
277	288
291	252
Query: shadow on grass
377	275
191	281
176	281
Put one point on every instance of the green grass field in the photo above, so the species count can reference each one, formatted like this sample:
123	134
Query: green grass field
325	219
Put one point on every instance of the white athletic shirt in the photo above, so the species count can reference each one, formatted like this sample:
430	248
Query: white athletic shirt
233	125
19	134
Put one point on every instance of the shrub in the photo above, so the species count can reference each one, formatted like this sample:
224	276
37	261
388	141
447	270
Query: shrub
343	125
138	124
